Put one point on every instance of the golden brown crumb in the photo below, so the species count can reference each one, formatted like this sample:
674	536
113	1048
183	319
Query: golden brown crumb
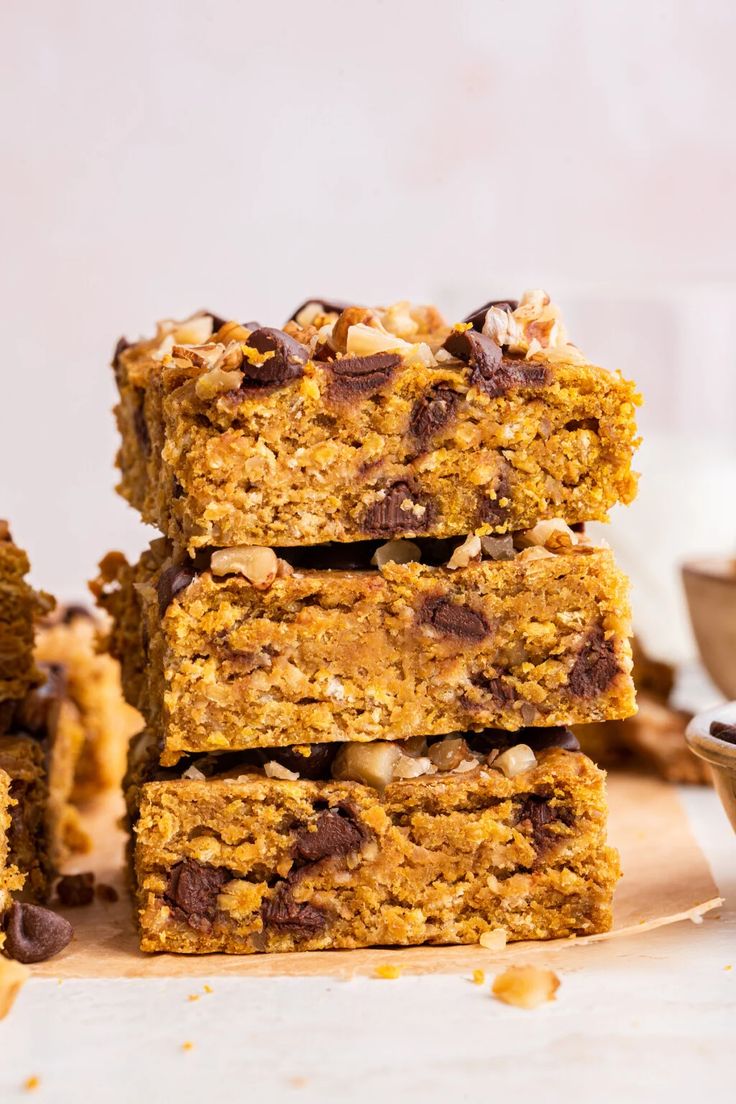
388	972
525	986
208	989
12	977
728	967
187	1045
31	1083
193	997
479	977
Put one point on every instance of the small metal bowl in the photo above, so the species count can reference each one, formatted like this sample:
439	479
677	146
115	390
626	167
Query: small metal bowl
719	754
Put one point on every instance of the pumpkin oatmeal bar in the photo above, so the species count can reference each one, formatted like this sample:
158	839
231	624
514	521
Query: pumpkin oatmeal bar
240	648
20	607
238	861
11	879
69	640
356	423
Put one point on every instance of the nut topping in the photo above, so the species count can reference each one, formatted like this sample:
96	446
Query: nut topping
258	565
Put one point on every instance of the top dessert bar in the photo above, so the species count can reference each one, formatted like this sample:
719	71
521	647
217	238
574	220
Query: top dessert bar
359	423
20	605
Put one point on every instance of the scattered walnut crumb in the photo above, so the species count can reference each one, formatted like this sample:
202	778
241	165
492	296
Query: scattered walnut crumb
388	972
479	977
525	986
12	977
31	1083
494	940
106	893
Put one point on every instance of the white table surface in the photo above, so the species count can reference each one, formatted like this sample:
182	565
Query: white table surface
661	1027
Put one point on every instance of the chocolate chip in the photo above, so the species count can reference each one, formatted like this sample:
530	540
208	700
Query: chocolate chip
312	765
490	510
217	321
389	516
595	667
432	413
33	933
334	833
539	739
451	619
287	362
106	893
539	813
286	915
357	377
76	890
498	689
492	372
192	892
171	581
329	306
723	731
477	317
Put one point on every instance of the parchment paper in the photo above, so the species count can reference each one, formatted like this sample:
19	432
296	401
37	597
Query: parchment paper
666	879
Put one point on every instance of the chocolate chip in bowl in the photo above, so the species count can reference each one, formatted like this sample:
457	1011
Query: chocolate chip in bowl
712	736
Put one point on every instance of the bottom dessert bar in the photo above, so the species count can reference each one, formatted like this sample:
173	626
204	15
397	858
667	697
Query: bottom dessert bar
242	862
28	836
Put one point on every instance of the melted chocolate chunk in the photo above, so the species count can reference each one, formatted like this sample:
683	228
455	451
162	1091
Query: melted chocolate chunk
388	517
284	914
498	689
358	377
314	764
432	413
33	933
539	813
192	892
335	833
76	890
595	667
490	370
450	619
329	306
477	317
172	580
286	364
539	739
490	510
723	731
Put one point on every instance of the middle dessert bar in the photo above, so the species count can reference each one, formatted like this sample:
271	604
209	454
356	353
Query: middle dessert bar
241	648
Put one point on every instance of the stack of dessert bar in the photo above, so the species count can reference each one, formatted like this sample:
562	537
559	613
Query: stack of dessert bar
372	615
61	714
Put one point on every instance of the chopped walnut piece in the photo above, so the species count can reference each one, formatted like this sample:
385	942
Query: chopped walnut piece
498	548
272	769
217	382
552	534
494	940
258	565
407	766
372	763
465	553
449	753
525	986
515	760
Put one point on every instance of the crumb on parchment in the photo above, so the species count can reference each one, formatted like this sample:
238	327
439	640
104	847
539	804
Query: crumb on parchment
479	977
525	986
31	1083
388	972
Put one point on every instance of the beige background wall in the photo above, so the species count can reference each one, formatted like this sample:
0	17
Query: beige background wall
158	157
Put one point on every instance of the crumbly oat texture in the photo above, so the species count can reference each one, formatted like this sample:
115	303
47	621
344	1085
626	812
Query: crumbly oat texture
20	606
11	879
70	641
27	837
217	663
364	422
258	864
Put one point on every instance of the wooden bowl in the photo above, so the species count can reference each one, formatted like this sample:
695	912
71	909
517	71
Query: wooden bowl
710	588
719	753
